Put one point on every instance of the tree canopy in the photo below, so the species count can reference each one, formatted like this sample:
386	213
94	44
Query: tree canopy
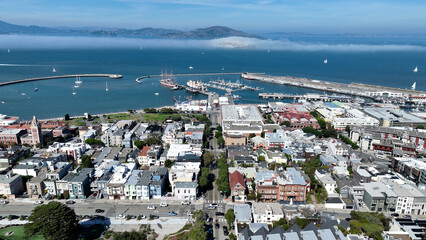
93	141
86	161
152	139
230	216
54	220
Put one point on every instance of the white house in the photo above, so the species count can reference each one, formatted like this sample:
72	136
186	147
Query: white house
327	181
185	190
267	212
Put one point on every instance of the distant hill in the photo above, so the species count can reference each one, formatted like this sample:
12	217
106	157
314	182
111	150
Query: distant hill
202	33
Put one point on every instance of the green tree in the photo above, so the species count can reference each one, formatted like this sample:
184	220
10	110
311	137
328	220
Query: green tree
67	117
204	178
252	135
420	127
94	141
197	231
348	128
208	158
230	216
301	222
54	220
133	235
86	162
138	144
232	236
261	158
168	163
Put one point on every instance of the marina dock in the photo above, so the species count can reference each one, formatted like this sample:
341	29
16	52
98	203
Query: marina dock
113	76
353	89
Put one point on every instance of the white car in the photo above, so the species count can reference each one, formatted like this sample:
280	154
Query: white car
186	202
38	202
4	202
164	204
151	207
211	207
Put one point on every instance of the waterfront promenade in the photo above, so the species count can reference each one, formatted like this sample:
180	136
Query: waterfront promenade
57	77
138	80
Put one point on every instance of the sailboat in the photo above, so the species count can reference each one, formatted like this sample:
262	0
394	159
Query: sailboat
73	91
415	69
8	50
191	67
414	86
54	70
325	61
35	88
78	81
106	87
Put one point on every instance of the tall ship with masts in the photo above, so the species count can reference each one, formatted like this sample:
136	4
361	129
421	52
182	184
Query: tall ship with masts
167	80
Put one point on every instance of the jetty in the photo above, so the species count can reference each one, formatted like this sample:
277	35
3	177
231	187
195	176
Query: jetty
138	80
113	76
352	89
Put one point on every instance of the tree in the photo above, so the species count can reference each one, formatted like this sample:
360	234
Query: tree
197	231
252	135
204	178
94	141
138	144
54	220
348	128
232	236
261	158
230	216
301	222
86	161
208	158
67	117
168	163
420	127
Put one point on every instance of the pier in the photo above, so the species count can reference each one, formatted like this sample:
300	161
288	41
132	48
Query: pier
310	97
113	76
353	89
138	80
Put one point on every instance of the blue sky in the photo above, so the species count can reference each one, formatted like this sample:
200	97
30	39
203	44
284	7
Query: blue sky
259	16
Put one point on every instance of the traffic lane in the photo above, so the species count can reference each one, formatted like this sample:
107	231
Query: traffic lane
109	209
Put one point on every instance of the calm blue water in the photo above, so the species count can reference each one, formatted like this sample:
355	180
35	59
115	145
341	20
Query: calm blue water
54	98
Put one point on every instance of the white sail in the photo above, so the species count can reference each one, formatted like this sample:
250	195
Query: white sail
106	88
415	69
54	70
414	86
325	61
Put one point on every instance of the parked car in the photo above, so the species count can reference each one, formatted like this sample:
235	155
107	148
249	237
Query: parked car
99	210
217	225
186	202
220	214
163	204
154	217
171	213
4	202
395	215
151	207
70	202
142	216
225	230
38	202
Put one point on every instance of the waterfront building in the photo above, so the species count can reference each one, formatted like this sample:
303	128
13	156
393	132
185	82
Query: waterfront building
295	114
391	117
7	120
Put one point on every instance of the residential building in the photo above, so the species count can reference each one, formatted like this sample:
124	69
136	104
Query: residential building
11	136
185	190
325	178
378	197
11	185
234	139
267	213
238	186
115	187
288	186
35	187
79	186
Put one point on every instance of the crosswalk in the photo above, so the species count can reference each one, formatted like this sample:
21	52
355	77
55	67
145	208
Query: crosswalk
214	201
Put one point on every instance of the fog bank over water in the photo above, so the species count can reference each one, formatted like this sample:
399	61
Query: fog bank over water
81	42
